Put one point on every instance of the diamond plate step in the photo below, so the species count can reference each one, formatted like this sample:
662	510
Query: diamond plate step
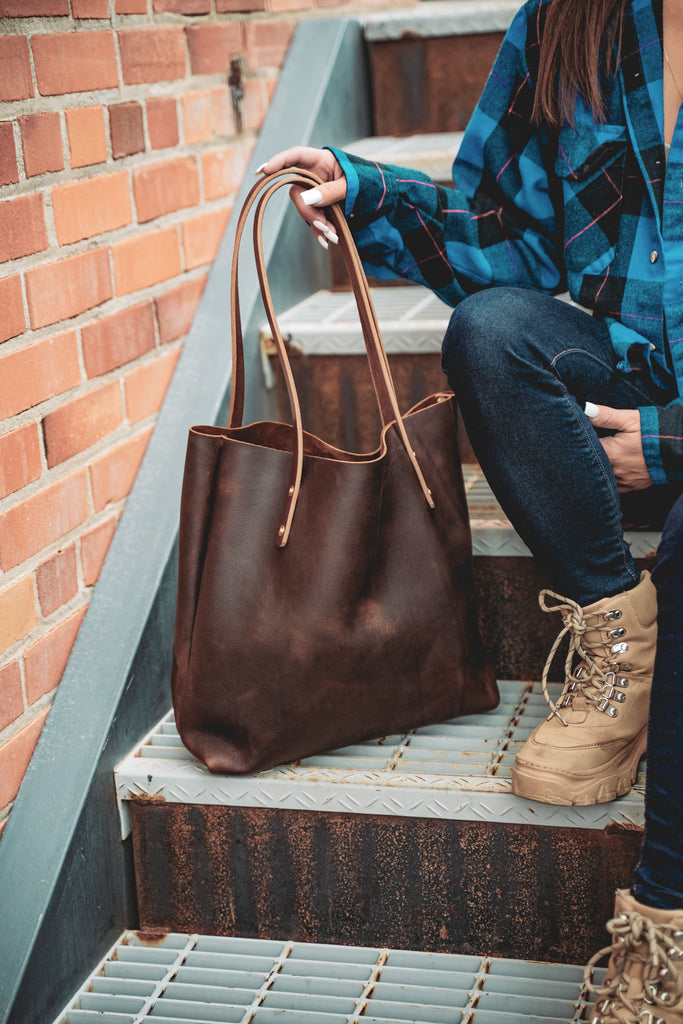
189	979
459	770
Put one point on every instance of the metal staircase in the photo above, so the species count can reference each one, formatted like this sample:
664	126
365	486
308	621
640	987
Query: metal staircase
397	880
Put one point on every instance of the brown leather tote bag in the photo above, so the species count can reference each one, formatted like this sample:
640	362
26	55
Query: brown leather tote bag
324	596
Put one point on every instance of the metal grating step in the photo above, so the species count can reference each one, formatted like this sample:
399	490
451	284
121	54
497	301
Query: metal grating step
457	770
201	979
493	534
412	318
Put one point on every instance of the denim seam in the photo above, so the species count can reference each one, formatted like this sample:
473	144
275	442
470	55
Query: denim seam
616	507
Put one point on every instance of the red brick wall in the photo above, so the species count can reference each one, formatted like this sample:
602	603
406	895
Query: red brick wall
119	162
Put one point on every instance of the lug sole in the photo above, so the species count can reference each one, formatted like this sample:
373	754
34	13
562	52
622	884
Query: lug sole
598	786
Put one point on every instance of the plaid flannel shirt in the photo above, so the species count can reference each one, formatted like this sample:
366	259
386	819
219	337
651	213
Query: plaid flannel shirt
594	208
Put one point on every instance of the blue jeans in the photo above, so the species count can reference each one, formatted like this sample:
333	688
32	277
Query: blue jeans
522	366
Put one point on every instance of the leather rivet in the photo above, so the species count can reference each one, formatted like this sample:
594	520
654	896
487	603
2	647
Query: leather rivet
291	491
281	530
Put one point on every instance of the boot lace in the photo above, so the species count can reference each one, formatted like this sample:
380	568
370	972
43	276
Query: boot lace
637	941
589	679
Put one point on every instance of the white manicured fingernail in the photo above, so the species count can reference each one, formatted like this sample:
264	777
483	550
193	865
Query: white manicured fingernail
328	232
259	169
322	242
313	196
591	410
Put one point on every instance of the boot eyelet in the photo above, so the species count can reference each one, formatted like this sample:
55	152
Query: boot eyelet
621	681
620	698
626	666
620	648
605	706
611	616
617	633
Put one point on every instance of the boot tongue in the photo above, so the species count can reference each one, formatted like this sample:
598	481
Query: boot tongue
576	712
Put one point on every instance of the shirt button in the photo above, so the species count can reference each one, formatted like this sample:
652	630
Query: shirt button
654	256
652	346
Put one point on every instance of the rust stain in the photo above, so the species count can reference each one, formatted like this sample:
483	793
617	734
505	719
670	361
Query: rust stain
147	798
151	938
615	827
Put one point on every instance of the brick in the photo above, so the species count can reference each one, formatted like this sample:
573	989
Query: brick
19	458
196	108
43	519
68	287
222	112
126	129
290	5
12	321
9	171
239	6
57	580
146	385
267	43
112	474
152	54
33	374
202	236
218	173
11	696
91	207
17	612
45	661
162	122
118	339
77	425
90	8
94	546
176	308
33	8
87	136
131	6
146	260
212	46
74	62
15	757
41	136
182	6
164	187
255	104
22	227
15	69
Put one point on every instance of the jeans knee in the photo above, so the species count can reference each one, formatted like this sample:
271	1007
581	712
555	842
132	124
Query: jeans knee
488	331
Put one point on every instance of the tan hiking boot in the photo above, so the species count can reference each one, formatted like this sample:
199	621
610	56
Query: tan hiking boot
644	979
588	748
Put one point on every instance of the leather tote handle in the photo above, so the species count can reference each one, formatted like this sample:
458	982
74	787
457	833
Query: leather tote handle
379	365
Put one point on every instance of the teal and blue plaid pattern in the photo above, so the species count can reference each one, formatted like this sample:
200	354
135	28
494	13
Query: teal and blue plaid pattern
593	208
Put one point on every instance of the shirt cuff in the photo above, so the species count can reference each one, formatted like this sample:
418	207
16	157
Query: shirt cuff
352	184
662	435
649	432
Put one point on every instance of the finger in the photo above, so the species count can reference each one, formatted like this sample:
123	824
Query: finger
612	419
326	194
313	215
298	156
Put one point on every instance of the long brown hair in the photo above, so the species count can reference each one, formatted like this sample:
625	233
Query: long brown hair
578	35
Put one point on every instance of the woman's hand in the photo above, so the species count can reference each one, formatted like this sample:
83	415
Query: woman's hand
310	201
625	448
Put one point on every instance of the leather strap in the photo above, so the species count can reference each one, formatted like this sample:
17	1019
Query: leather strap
379	365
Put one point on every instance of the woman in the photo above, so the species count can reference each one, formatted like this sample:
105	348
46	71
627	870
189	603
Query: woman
574	185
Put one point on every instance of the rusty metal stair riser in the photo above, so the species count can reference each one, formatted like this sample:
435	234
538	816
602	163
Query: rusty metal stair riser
493	888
